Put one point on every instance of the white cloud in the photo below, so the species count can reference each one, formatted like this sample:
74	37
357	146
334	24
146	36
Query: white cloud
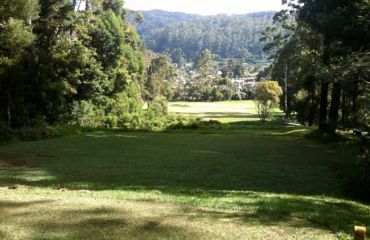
206	7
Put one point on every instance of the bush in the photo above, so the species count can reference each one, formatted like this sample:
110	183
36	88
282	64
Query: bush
185	123
267	97
211	123
86	114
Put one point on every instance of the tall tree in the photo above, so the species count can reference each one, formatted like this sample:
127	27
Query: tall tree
16	36
160	74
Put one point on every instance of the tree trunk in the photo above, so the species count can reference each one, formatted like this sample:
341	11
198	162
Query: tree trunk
323	117
286	110
311	117
344	107
354	103
9	112
335	102
323	105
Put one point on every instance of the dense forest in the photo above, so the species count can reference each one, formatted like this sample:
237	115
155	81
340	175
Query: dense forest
184	37
155	19
65	61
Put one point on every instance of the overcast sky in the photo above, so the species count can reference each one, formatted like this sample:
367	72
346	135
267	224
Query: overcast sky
206	7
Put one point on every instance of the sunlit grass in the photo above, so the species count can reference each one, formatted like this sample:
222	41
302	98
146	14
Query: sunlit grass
225	111
30	213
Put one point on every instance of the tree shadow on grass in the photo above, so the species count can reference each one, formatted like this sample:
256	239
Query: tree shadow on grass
297	212
213	171
36	220
55	220
178	162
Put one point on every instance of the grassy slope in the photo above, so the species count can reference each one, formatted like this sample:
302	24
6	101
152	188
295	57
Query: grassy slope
247	181
227	111
276	186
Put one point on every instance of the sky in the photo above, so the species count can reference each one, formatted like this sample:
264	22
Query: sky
206	7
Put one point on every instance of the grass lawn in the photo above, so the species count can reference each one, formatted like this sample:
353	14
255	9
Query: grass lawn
226	111
262	182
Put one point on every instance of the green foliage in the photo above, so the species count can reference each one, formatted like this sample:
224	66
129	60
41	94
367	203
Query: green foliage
26	10
267	97
114	5
82	67
155	19
86	114
160	74
322	47
204	63
234	69
303	107
16	38
185	124
15	35
207	85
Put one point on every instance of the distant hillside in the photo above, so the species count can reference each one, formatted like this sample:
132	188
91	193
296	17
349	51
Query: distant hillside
155	19
184	36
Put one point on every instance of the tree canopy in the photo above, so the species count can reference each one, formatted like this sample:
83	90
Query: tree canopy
63	61
321	53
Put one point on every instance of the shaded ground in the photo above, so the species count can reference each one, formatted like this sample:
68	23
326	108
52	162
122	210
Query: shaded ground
13	162
177	161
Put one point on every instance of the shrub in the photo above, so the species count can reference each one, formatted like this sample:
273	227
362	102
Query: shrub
267	97
211	123
111	121
86	114
185	123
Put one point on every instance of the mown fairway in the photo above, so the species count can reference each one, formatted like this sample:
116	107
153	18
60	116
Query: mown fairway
227	111
256	182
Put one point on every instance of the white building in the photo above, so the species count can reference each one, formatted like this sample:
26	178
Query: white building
244	83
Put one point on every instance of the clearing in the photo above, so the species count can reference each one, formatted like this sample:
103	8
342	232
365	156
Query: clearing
180	184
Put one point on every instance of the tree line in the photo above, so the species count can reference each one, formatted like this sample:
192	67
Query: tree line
321	57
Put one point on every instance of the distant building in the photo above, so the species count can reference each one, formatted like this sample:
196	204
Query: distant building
244	83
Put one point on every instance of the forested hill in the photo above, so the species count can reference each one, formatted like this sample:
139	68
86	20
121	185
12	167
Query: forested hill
185	36
155	19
